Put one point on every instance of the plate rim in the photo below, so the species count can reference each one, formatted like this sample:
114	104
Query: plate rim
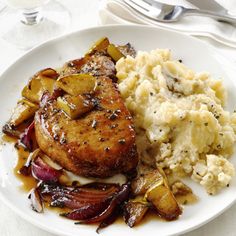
214	50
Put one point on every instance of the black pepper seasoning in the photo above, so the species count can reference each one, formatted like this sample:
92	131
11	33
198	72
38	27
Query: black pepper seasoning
113	116
70	64
121	141
62	140
56	137
128	118
113	126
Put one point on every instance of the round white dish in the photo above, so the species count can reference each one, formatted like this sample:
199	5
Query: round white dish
194	53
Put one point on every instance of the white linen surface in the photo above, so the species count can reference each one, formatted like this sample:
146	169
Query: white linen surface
117	12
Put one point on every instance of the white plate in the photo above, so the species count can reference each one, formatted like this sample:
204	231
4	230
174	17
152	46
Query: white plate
193	52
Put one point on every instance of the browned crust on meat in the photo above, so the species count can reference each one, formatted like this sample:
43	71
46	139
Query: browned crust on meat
100	144
96	65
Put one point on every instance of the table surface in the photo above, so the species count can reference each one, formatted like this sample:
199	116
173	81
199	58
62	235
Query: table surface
85	14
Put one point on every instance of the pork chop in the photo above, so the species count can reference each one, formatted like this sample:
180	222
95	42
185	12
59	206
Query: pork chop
100	144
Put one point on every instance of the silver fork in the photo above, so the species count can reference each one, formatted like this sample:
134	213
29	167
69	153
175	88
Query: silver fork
169	13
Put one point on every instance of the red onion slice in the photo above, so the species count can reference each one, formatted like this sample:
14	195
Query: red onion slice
42	171
117	200
109	220
81	191
77	197
87	211
73	202
26	138
90	205
36	201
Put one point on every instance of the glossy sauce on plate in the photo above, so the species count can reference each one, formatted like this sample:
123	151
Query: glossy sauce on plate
28	182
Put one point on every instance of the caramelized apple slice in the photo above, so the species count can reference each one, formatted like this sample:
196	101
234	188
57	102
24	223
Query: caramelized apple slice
42	81
141	184
164	201
99	45
77	84
154	187
49	73
114	52
47	85
75	106
32	90
22	112
134	211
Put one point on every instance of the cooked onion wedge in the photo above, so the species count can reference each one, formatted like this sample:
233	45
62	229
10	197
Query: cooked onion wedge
28	136
109	220
36	201
42	171
75	197
96	202
87	211
77	84
115	203
26	168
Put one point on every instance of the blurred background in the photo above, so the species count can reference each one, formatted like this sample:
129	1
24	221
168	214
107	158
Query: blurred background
82	14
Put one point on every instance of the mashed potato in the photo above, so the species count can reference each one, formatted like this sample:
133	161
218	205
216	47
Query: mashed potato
179	118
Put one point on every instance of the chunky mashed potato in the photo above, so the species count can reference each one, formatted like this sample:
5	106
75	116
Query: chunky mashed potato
179	118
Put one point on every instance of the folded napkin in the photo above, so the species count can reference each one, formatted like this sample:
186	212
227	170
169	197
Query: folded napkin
117	12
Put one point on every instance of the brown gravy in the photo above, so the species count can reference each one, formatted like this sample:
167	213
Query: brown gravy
28	182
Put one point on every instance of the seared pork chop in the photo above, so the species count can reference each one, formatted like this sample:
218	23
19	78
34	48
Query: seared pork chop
100	144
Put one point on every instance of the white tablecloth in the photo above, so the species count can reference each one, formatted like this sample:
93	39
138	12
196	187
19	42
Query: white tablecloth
84	14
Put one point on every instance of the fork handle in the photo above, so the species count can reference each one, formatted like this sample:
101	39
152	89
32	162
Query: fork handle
214	15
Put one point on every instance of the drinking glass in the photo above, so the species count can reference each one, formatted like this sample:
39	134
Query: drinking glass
27	23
